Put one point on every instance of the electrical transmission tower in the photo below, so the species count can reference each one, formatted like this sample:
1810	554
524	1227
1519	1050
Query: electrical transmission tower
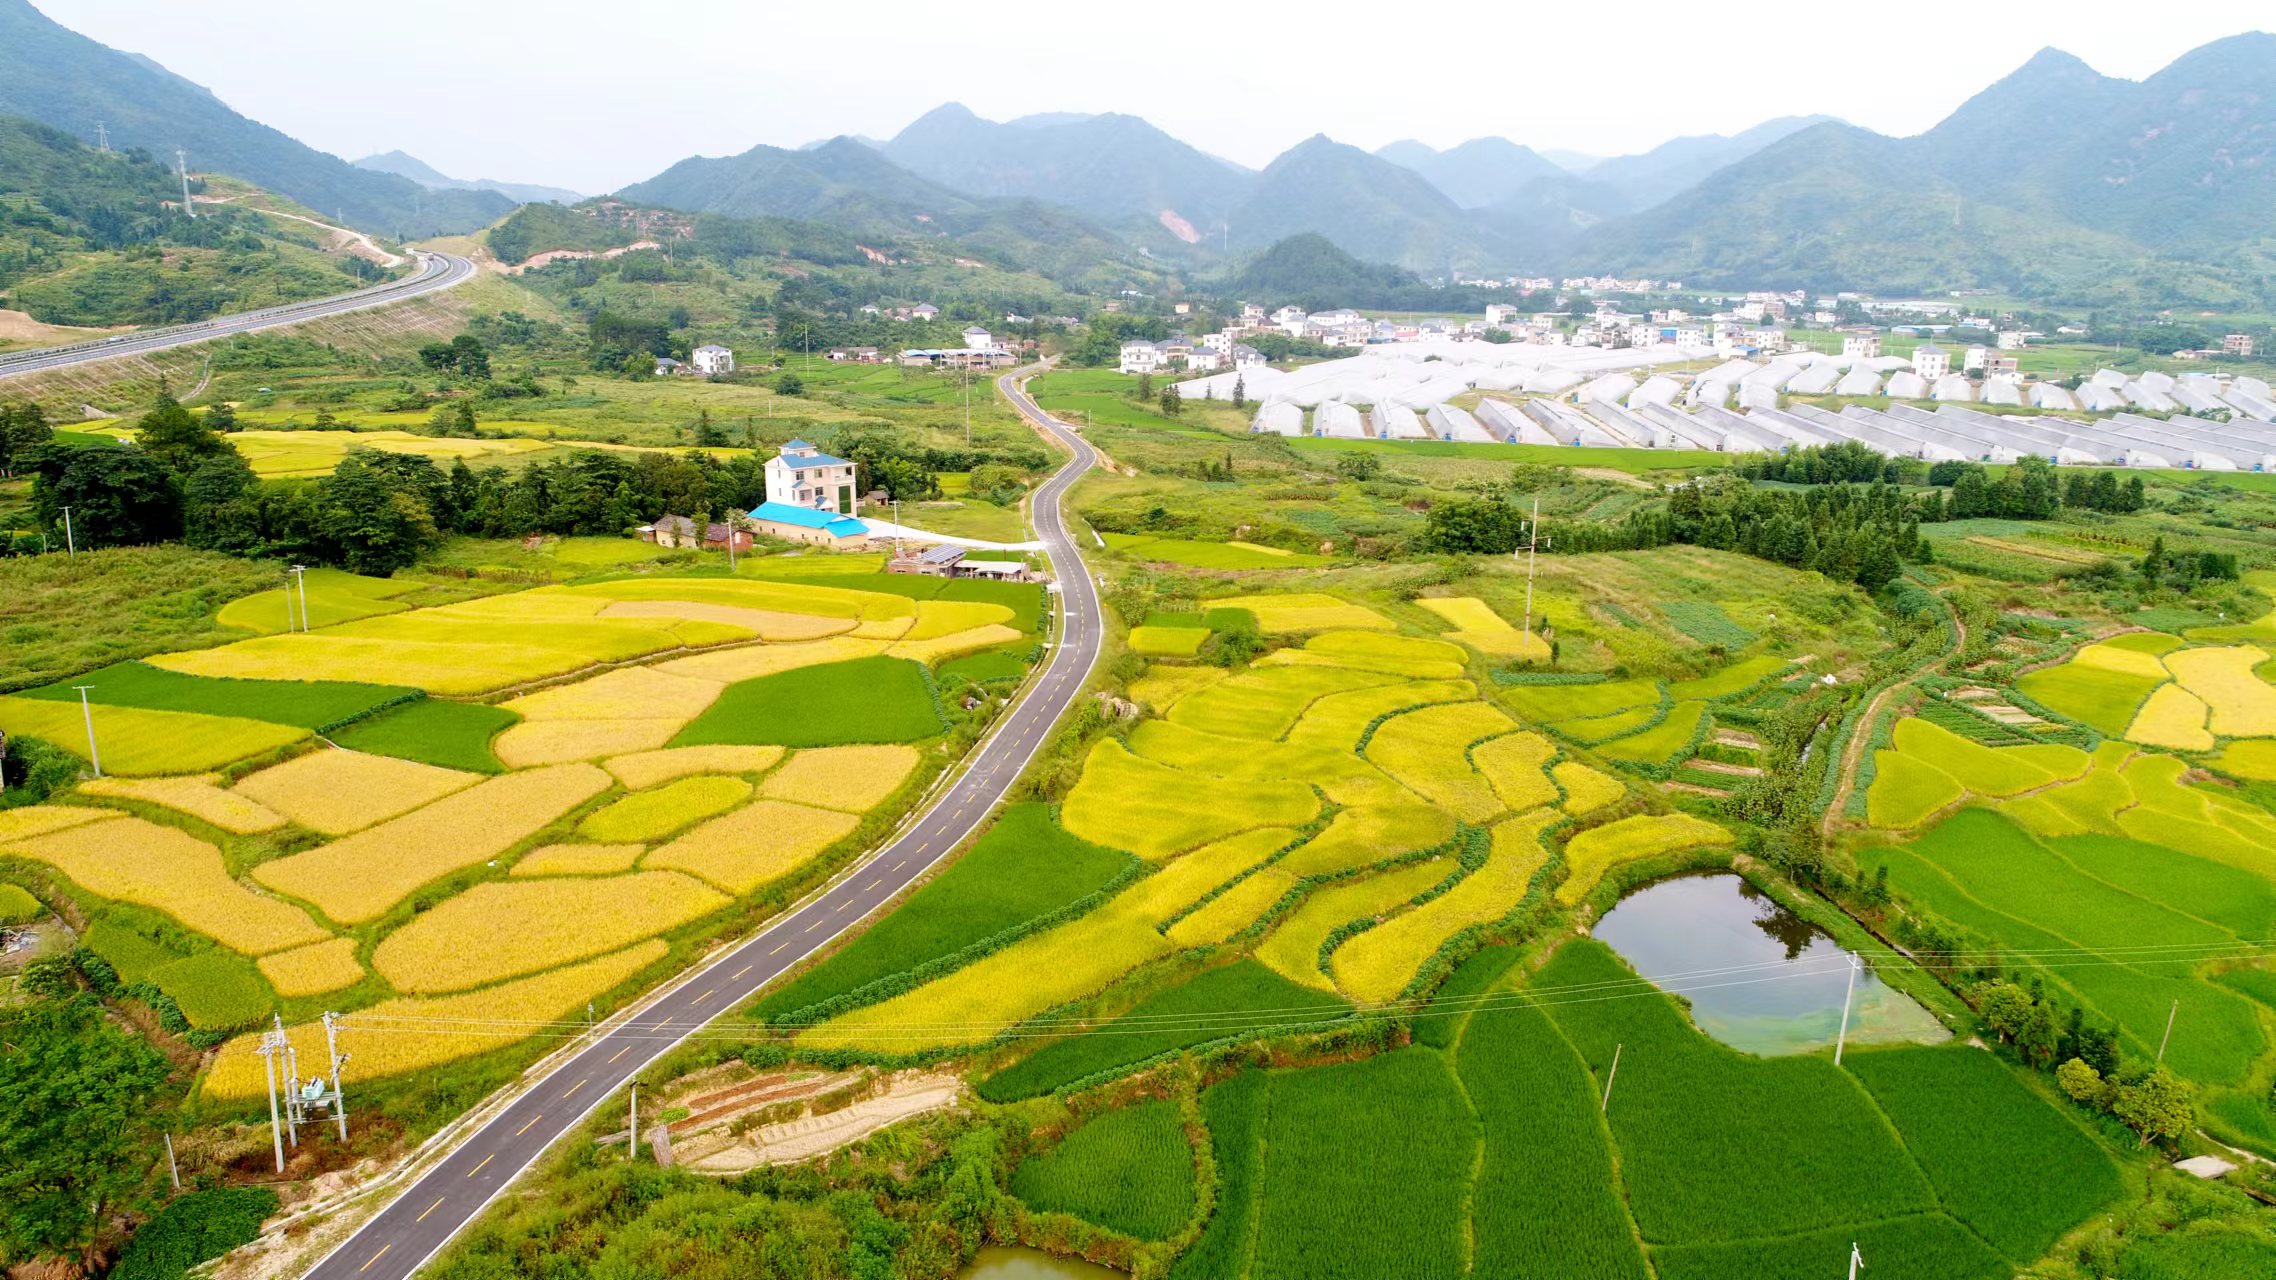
102	138
1533	544
304	1100
182	167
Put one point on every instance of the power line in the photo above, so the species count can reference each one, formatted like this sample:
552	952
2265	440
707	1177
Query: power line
1228	1022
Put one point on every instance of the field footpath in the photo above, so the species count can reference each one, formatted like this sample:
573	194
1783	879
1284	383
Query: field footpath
1853	754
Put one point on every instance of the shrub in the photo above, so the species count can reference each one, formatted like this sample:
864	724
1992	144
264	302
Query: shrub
194	1228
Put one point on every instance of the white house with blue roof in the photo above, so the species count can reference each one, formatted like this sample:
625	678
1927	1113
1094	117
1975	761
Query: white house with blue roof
804	476
811	498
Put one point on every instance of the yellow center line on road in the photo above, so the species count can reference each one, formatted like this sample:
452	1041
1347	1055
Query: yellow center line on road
478	1168
778	949
739	973
619	1053
705	996
430	1209
375	1257
847	903
525	1128
873	884
574	1088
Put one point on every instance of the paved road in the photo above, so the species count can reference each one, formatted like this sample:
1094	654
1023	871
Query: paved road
424	1217
437	271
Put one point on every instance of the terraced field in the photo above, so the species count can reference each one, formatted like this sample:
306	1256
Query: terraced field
561	804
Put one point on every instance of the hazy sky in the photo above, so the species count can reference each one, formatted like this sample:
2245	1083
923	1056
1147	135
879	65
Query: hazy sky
594	96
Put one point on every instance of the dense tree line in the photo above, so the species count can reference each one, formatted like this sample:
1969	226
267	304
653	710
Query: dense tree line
379	511
1845	462
1850	533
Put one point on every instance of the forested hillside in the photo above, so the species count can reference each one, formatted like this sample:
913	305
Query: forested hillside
94	238
61	78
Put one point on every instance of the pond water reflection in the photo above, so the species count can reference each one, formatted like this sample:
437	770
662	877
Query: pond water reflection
1759	977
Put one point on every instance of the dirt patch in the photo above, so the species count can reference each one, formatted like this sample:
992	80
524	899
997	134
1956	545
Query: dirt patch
719	1149
1615	476
1738	738
15	326
1728	770
1694	789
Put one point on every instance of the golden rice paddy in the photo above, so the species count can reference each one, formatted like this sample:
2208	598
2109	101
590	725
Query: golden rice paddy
644	769
458	943
172	871
334	791
761	842
197	796
359	877
853	778
314	969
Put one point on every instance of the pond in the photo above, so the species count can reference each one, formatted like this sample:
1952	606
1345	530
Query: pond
1759	978
999	1262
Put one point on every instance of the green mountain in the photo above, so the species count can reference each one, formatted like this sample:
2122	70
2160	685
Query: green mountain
404	165
94	238
1477	173
852	186
1678	164
1311	272
1369	207
54	75
1107	166
2056	183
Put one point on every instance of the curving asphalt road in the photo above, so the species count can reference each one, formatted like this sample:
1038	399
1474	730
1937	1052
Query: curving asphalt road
437	271
423	1217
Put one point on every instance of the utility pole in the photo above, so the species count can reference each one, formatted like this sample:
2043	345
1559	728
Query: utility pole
268	1052
734	522
339	1060
1609	1076
173	1170
2170	1014
300	575
70	539
1856	1260
182	167
103	144
1843	1038
1532	547
896	527
87	713
968	406
632	1125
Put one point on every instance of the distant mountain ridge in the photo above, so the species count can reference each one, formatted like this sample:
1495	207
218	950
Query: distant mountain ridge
404	165
2056	182
60	78
1114	167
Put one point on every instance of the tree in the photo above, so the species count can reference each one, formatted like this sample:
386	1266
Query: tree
221	416
372	521
1172	403
2081	1081
1359	466
22	429
176	437
2004	1007
2133	499
2158	1106
1240	391
118	497
2103	494
2037	1039
1145	387
707	434
789	384
80	1096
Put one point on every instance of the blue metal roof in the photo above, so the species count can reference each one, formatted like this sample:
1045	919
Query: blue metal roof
808	518
810	461
798	444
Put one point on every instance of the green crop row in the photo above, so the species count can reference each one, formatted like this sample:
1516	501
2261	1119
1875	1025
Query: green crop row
1129	1170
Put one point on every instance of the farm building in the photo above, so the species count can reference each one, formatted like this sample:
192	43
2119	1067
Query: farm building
804	524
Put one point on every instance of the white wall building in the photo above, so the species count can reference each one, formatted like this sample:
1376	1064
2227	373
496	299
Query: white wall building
1861	346
1140	356
1931	361
804	476
710	360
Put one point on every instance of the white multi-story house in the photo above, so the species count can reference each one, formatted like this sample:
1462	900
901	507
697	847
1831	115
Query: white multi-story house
1693	340
1931	361
1204	360
1643	335
1247	357
1287	316
1861	346
804	476
2236	344
1972	360
710	360
1252	315
1140	356
1500	315
1220	342
1769	341
2013	339
978	338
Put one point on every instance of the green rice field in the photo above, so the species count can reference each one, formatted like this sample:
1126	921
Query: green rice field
1129	1170
1025	867
455	735
876	699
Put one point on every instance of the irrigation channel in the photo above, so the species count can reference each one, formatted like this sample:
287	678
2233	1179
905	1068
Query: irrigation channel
1757	977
